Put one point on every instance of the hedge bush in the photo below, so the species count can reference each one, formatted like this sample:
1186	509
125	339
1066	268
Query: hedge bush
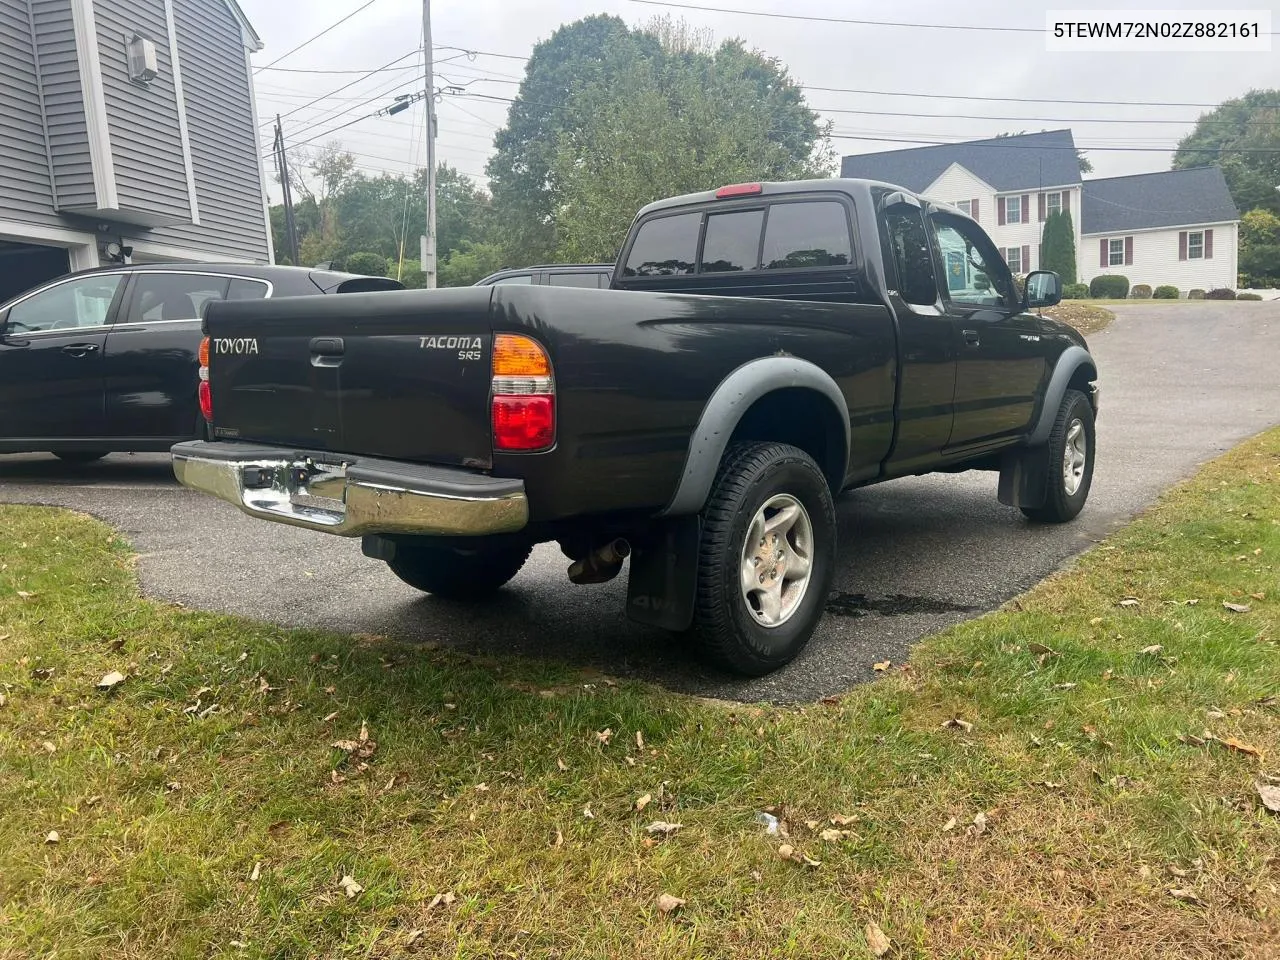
1248	296
1109	286
367	264
1140	291
1195	294
1166	292
1221	293
1074	291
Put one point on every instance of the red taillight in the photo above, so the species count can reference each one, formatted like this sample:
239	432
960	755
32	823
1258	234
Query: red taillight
206	401
524	402
739	190
524	423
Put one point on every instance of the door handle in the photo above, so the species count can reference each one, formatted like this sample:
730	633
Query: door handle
971	338
80	349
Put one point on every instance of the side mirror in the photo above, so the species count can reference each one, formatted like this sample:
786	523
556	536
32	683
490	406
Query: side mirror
1043	289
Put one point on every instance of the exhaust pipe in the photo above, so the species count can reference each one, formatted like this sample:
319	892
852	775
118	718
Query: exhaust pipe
601	564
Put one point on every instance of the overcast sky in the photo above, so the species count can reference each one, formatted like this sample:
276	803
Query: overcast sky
897	60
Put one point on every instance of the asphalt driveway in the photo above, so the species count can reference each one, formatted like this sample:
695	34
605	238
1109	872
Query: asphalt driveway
1181	383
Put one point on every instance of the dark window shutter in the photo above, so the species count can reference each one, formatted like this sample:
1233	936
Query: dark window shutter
1102	262
1182	245
1128	251
1040	254
1042	208
973	208
1026	258
1208	244
1000	211
1066	201
1026	208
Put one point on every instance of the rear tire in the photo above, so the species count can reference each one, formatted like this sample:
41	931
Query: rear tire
458	573
1070	452
81	456
766	558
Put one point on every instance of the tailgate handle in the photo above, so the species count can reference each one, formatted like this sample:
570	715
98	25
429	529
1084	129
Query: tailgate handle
327	351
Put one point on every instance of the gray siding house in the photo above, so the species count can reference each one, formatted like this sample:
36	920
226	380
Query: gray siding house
127	122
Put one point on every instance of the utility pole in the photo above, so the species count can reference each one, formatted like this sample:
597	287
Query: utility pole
286	190
429	241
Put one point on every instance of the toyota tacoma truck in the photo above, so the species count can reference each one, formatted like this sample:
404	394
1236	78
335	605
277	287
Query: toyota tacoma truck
762	348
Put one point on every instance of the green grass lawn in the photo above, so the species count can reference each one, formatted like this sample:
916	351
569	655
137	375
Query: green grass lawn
1075	775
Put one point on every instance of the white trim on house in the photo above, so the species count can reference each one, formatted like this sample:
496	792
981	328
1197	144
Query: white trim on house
262	173
169	252
956	165
95	106
183	134
82	248
1207	225
249	35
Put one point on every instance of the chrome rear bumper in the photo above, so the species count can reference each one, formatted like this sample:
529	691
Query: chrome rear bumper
351	496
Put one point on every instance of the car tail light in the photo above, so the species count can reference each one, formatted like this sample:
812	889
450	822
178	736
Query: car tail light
524	395
739	190
203	392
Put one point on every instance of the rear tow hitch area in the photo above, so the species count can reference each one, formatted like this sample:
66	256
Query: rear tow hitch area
601	565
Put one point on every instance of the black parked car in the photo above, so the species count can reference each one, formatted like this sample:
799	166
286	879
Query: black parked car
106	360
590	275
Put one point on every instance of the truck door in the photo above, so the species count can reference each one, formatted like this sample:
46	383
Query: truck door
51	382
1000	360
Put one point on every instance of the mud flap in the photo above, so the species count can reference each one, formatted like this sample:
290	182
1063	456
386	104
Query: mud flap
663	582
1024	478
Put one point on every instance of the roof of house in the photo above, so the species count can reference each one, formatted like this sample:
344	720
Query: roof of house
1019	162
1170	198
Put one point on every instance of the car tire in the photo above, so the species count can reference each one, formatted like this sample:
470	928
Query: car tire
769	505
458	573
1070	454
81	456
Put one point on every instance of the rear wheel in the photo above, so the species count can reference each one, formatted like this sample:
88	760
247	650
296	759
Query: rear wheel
766	559
81	456
458	573
1070	454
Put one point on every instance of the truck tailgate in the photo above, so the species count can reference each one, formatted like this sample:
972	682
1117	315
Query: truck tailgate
402	375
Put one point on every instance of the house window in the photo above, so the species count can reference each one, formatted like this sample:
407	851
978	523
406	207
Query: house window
1115	252
1013	257
1195	245
964	207
1053	204
1013	209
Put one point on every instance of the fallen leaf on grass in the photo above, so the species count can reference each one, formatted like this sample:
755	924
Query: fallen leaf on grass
26	594
1064	686
605	735
1130	602
642	802
833	835
349	886
955	723
440	900
639	740
53	837
949	825
41	673
979	824
561	765
1233	744
48	746
111	680
559	840
876	940
587	814
1186	896
840	820
669	904
1270	797
3	699
331	717
414	936
662	828
256	872
1040	650
1236	607
1152	650
882	666
788	852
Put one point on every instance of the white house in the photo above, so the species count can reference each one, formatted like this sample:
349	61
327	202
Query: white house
1178	227
1175	228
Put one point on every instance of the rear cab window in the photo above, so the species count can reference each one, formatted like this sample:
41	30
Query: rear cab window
665	246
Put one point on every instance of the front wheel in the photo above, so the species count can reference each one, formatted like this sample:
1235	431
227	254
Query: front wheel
1070	453
766	559
458	573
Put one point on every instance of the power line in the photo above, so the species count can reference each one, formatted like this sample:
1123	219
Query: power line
960	96
379	95
817	19
478	53
352	83
969	116
317	36
837	135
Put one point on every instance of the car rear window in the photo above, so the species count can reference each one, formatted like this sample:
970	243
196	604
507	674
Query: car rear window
732	241
812	233
664	247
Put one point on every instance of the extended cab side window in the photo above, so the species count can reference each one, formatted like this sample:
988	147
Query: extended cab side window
976	276
912	256
664	247
810	233
173	296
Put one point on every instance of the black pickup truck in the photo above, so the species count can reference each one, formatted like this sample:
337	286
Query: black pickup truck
763	347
